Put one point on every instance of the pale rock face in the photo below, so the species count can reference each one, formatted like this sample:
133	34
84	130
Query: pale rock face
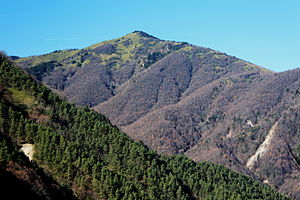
250	123
263	148
28	150
266	181
230	134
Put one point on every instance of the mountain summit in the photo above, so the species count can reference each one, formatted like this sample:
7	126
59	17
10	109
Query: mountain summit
144	34
183	99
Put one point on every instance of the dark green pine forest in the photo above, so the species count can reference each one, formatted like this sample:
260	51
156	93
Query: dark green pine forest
80	154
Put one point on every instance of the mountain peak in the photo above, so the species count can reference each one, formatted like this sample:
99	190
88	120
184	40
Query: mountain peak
144	34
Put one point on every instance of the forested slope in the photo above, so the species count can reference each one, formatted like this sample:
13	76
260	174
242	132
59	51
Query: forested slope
183	99
81	150
21	179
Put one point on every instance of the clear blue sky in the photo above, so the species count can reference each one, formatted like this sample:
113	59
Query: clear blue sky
264	32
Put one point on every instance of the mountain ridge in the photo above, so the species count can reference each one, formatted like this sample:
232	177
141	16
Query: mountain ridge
83	152
182	99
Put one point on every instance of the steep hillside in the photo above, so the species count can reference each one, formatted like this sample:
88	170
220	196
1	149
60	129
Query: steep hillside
21	179
81	150
183	99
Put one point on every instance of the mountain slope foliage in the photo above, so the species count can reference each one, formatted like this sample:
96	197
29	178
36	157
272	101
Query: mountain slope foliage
20	178
182	99
82	151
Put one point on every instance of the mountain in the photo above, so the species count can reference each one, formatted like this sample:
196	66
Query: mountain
183	99
75	148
